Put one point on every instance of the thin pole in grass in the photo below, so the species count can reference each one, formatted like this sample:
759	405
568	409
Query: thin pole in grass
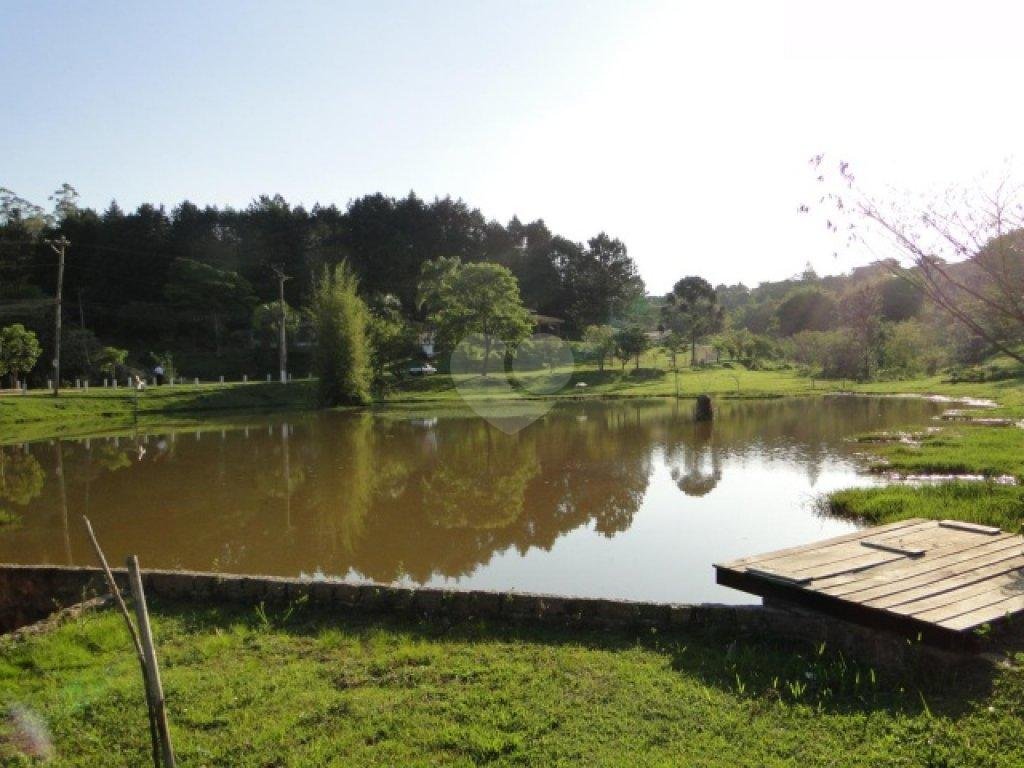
152	668
112	585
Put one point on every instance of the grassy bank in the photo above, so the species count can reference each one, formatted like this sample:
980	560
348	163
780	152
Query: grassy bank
954	449
249	689
983	503
38	414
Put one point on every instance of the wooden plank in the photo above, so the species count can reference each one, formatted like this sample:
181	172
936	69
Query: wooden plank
933	538
854	536
951	604
937	589
990	614
973	527
826	554
908	551
776	576
868	561
899	576
893	581
853	557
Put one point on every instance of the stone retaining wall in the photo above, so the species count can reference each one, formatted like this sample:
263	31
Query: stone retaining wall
29	593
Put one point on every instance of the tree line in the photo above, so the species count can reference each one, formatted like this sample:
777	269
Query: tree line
202	288
198	284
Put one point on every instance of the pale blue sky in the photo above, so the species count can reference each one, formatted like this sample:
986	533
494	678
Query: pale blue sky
679	127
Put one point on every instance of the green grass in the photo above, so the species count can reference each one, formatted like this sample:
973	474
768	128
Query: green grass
983	503
617	382
958	449
246	689
39	414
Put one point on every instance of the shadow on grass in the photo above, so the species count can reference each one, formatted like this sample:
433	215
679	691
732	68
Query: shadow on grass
759	670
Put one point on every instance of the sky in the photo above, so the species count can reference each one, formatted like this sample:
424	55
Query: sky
682	128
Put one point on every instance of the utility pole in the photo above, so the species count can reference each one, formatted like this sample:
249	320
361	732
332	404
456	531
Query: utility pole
58	246
282	343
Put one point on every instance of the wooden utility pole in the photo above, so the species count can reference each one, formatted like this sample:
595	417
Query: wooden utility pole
282	343
59	246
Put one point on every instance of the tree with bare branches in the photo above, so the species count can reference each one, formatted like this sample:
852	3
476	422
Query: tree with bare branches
963	250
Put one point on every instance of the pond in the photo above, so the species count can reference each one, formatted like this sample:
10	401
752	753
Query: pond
600	499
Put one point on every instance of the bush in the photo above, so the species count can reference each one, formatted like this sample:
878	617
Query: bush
835	354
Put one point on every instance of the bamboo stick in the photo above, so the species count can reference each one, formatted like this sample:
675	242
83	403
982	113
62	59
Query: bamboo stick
112	585
152	668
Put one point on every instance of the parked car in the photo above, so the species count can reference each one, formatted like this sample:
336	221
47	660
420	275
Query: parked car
422	370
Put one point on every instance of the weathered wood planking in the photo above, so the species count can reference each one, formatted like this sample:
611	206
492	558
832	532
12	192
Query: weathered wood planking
936	580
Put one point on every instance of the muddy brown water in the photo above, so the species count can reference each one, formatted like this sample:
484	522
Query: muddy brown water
599	499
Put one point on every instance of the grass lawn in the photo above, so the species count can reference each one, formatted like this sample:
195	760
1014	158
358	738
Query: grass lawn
248	689
38	414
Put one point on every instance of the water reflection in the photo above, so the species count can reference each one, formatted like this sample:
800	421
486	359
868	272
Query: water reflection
444	496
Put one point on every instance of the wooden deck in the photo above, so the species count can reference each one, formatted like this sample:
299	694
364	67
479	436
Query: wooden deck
934	580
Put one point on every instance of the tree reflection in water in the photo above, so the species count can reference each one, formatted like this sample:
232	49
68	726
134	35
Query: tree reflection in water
695	460
398	495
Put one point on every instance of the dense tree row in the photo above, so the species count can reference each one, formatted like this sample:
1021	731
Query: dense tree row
191	280
871	322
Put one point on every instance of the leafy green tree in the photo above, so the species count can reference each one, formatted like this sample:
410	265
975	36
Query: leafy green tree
481	298
79	351
806	309
720	345
601	280
631	342
210	294
340	320
691	310
601	339
392	338
901	299
266	323
862	319
110	359
19	351
674	343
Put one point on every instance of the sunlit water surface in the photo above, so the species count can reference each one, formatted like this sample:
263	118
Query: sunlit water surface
628	500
